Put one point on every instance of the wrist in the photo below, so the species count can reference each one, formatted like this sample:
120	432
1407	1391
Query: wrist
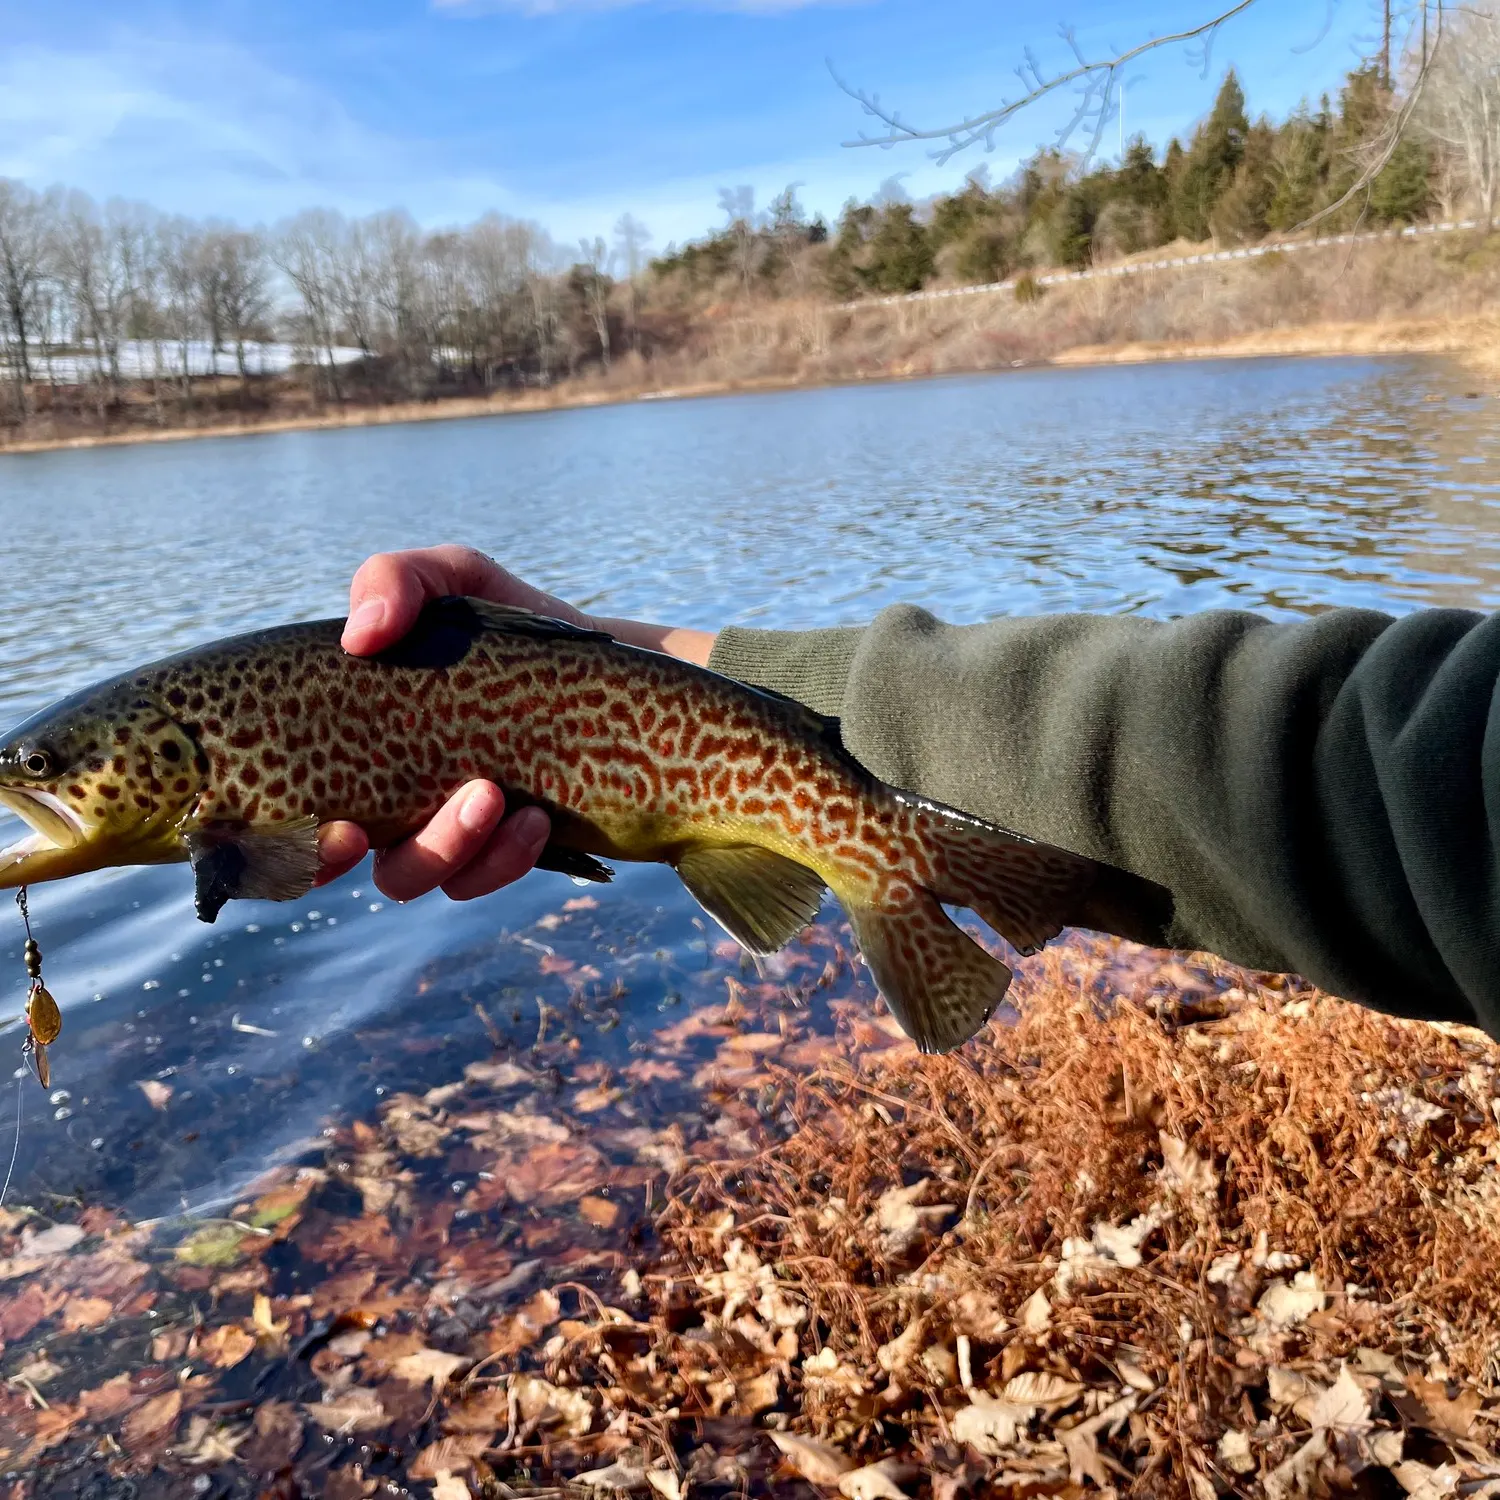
671	640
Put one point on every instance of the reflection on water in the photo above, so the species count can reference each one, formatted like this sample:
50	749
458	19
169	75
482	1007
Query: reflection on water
1283	486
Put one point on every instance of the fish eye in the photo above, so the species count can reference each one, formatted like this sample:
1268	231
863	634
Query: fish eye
36	762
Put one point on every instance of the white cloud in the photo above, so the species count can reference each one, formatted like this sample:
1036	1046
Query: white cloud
204	127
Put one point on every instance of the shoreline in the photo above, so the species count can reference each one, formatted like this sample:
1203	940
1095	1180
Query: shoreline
1460	337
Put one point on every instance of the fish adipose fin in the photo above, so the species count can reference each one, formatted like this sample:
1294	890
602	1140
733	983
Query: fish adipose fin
761	899
572	862
258	864
940	984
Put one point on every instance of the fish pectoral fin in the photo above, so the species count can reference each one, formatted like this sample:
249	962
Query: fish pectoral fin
761	899
236	862
940	984
575	863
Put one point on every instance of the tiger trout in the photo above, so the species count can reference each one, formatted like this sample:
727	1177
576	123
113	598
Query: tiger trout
231	755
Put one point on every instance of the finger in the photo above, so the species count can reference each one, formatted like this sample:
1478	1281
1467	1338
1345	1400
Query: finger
511	852
456	833
341	846
389	590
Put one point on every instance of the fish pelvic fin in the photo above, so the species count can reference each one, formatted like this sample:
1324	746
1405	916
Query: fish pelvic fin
940	984
236	862
1029	891
760	898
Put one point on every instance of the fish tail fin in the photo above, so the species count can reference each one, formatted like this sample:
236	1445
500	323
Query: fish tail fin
940	984
1029	891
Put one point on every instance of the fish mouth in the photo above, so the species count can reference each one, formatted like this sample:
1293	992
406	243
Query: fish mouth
54	825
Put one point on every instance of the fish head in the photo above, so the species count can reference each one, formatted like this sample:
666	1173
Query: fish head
107	777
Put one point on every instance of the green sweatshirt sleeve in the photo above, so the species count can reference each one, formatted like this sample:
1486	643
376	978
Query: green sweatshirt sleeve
1320	797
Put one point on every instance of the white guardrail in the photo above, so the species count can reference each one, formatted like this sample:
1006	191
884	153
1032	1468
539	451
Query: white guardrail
1140	267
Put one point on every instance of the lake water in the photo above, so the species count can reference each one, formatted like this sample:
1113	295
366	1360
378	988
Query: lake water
1282	486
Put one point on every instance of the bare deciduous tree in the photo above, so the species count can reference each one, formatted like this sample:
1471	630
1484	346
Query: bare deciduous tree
1460	108
23	265
631	240
595	257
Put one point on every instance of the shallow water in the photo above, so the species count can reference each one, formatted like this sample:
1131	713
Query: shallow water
1284	486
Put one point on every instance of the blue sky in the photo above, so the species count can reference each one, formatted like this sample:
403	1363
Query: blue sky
574	111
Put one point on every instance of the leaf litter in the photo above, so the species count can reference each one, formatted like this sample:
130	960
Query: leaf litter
1174	1229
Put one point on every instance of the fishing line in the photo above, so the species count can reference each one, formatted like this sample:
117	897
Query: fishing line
15	1150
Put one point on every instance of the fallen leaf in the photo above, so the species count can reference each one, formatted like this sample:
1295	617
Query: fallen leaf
1035	1313
580	903
209	1442
268	1330
1234	1452
620	1475
1423	1482
449	1455
990	1424
902	1222
1286	1304
541	1401
814	1461
149	1424
156	1092
1183	1170
276	1437
877	1481
428	1365
1295	1474
1343	1408
58	1239
448	1486
600	1211
224	1347
1040	1389
1431	1408
34	1304
499	1075
86	1312
356	1409
666	1484
759	1393
212	1245
39	1371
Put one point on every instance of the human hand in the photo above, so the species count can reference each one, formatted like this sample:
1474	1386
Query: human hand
470	847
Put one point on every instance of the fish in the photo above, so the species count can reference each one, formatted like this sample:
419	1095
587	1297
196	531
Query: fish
231	755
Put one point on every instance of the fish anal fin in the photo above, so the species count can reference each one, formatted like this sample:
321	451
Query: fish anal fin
575	863
237	862
760	898
940	984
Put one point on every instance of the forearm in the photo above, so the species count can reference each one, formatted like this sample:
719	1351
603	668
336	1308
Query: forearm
1314	794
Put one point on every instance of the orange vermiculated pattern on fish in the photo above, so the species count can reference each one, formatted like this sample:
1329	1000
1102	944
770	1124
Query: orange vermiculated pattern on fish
232	755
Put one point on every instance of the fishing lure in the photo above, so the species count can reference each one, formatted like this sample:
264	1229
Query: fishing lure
43	1018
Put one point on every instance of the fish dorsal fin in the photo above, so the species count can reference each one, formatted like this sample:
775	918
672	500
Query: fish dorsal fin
762	900
448	627
235	862
511	619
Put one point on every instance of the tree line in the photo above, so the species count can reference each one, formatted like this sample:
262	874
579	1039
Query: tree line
1363	159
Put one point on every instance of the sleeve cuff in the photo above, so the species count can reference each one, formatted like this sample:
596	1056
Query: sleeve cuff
811	666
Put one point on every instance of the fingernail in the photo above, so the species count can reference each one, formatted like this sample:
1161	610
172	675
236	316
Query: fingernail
475	813
532	827
369	616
